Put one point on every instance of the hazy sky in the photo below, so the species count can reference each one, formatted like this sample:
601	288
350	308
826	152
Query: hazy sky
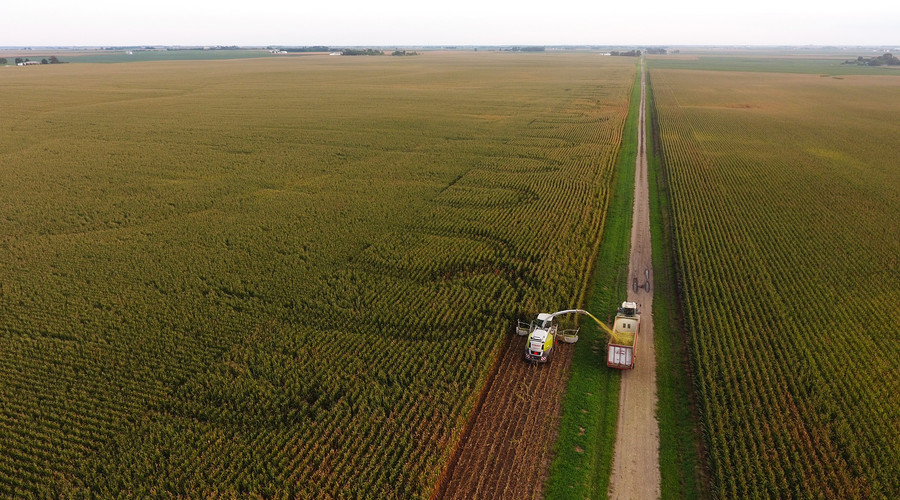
460	22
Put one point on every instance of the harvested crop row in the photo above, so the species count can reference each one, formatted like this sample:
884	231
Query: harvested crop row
507	452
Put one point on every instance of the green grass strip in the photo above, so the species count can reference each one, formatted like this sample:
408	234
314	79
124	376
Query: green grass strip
584	448
824	66
679	463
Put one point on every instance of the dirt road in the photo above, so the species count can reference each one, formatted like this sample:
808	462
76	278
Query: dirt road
635	473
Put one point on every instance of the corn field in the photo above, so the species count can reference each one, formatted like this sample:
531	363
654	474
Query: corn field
282	278
785	196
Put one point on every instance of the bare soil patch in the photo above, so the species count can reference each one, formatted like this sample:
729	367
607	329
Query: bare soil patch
507	451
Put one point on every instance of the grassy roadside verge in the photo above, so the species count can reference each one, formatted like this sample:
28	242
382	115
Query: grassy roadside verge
679	438
584	448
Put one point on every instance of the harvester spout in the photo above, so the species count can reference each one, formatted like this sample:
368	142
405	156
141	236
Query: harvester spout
582	311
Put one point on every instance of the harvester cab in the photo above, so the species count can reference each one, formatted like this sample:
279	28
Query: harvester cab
541	333
542	336
546	321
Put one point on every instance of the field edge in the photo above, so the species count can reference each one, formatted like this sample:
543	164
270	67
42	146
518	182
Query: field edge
583	452
682	471
440	488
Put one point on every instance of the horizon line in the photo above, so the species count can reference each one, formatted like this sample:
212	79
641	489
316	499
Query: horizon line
441	46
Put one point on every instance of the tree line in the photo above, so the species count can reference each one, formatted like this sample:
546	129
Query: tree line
19	60
886	59
630	53
362	52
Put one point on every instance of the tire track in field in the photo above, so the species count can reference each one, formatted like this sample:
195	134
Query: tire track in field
507	450
635	471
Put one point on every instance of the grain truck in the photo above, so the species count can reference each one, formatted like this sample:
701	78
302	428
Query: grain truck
620	350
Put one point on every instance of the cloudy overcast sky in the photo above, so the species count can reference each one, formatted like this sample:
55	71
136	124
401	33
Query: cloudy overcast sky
461	22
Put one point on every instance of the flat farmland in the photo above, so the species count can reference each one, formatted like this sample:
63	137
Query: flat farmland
826	63
785	194
282	277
